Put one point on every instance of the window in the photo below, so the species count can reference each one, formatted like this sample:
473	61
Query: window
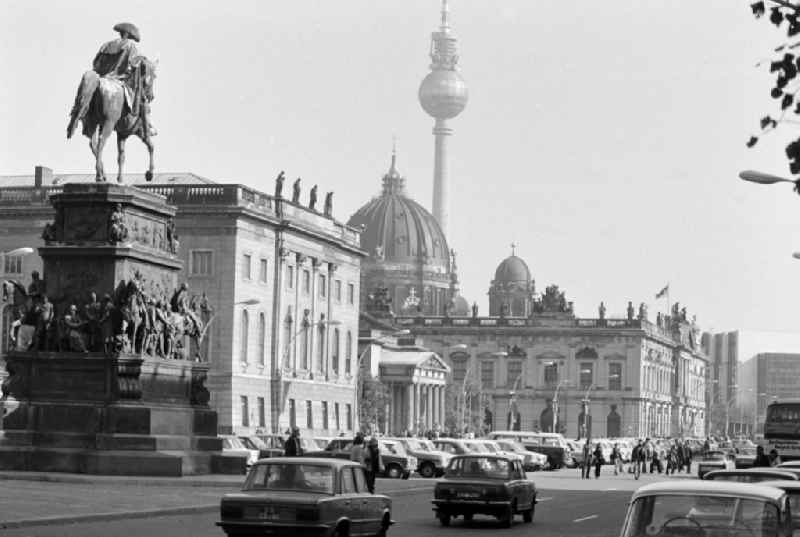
262	271
306	281
338	290
459	367
309	415
349	413
348	354
551	374
514	371
587	375
262	413
335	350
322	285
244	335
324	414
13	264
487	374
201	263
348	485
262	337
614	376
246	266
292	413
336	415
245	411
289	277
351	293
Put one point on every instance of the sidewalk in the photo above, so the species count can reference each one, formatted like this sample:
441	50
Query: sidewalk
33	498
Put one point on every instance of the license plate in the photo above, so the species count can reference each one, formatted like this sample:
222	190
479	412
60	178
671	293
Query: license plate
268	513
468	495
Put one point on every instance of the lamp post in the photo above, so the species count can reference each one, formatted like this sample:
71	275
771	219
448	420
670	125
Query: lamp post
357	391
563	382
585	404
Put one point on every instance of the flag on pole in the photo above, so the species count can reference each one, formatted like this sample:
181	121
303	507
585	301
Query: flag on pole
663	291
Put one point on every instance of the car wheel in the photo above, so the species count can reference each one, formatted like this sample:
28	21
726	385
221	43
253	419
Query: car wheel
467	517
507	517
340	531
427	470
394	471
385	523
527	515
444	519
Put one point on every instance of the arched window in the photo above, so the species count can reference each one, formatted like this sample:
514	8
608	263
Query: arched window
348	354
335	350
244	335
262	336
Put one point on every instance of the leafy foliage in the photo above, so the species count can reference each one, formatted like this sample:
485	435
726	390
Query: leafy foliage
373	396
785	15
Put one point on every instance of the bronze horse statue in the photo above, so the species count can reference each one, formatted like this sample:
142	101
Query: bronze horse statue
101	104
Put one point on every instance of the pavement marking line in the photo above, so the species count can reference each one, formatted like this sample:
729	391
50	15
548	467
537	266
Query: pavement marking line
590	517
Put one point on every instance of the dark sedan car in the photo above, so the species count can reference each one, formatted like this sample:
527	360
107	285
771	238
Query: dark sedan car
482	484
298	496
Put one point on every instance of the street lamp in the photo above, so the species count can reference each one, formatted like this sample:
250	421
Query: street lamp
585	403
767	179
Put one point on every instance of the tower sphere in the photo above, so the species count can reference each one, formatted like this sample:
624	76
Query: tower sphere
443	94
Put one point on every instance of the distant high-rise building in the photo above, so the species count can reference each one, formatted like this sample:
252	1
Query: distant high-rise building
443	95
722	350
764	378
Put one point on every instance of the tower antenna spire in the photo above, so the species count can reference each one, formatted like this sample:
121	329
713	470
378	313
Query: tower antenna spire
394	152
445	27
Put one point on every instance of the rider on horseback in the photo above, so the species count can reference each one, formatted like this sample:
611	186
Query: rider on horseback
116	60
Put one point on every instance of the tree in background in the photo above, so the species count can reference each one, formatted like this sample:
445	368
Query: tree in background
373	396
785	15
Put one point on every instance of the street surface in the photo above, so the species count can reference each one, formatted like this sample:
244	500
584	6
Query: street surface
569	506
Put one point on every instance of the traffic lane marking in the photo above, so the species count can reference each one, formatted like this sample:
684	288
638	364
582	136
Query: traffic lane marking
582	519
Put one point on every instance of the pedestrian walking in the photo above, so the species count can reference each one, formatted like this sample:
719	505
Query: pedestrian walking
761	460
687	456
598	460
774	458
374	463
292	446
357	452
616	460
586	464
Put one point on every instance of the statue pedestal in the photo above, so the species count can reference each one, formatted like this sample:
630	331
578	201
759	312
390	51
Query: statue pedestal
126	408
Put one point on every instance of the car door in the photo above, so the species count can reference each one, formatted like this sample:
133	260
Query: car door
370	505
351	501
525	486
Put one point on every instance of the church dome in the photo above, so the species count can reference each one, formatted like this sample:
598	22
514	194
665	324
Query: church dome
512	270
397	229
460	306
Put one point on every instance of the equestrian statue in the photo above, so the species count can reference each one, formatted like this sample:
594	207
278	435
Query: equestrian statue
115	96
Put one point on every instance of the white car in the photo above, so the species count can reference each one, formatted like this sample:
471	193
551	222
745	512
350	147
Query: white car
233	444
531	461
715	460
491	446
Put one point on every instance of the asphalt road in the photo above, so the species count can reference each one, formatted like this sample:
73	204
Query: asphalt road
593	513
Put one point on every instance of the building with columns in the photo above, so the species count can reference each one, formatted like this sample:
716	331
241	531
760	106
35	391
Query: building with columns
282	277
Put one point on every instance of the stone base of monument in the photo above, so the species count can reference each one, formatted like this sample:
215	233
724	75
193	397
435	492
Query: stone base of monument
110	415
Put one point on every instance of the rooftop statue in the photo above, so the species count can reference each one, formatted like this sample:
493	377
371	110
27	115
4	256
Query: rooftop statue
115	96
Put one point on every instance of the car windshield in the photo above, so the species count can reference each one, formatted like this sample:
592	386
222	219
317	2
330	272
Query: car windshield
417	445
715	456
249	443
395	448
491	447
232	443
476	447
479	467
701	516
510	446
299	477
551	442
750	477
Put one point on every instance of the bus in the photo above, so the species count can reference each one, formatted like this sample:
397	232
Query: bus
782	429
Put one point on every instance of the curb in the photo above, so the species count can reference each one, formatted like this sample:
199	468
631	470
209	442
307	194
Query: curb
103	517
122	480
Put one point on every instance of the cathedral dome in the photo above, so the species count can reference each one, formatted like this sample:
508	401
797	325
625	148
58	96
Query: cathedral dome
460	306
400	230
512	270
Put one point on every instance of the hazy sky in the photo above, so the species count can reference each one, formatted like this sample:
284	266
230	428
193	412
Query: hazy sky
604	138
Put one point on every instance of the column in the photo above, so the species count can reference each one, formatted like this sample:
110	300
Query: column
417	405
436	406
411	399
387	412
430	407
442	407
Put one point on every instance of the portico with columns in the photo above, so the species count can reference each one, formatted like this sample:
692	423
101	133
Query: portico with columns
415	380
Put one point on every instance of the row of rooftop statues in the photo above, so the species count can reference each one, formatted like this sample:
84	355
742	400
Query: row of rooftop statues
127	320
312	195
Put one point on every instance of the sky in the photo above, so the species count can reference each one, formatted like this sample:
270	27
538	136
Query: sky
603	138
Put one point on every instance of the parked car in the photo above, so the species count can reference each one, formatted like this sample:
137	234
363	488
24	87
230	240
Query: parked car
531	461
275	444
430	461
232	444
715	460
751	475
396	462
301	496
254	442
745	456
707	508
551	444
452	446
486	485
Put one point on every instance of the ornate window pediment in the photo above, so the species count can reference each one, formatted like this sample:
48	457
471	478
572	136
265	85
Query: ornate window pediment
586	353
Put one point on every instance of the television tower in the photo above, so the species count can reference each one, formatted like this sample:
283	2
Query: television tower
443	95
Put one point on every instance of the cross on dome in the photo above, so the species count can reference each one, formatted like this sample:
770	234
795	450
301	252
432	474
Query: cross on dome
513	248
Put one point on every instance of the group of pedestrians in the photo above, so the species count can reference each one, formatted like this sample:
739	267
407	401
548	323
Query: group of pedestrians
662	458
